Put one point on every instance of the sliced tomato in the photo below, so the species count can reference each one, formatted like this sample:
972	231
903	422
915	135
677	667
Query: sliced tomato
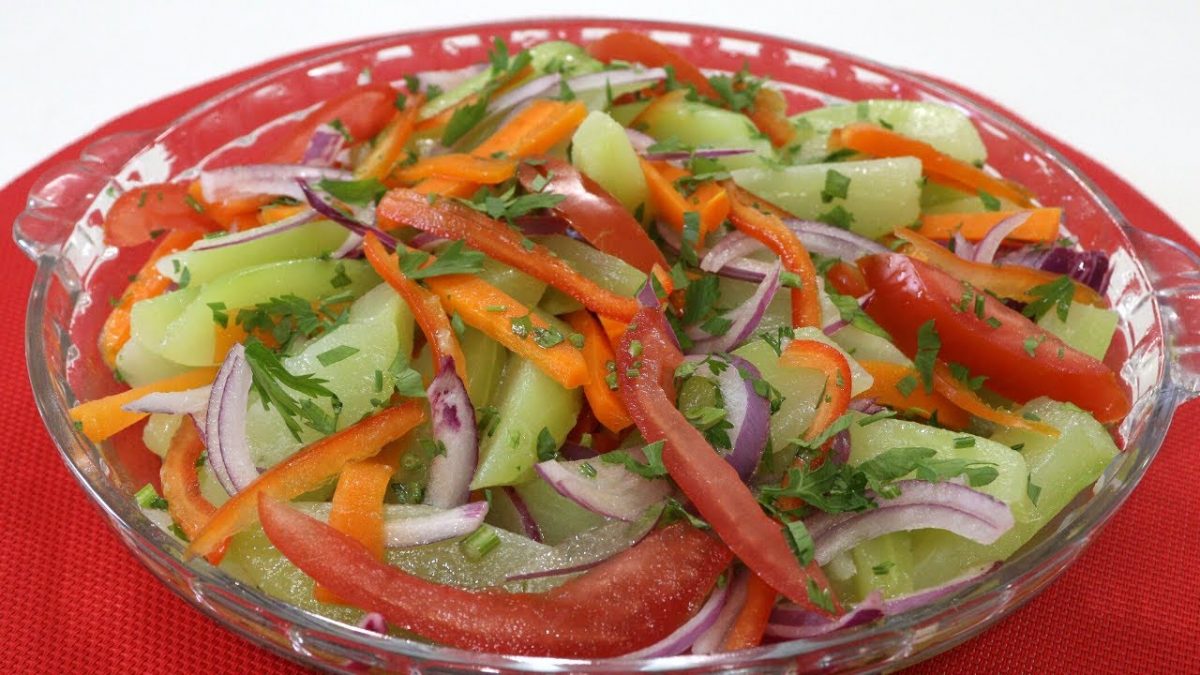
362	111
593	213
638	48
625	603
710	483
846	279
142	213
1020	360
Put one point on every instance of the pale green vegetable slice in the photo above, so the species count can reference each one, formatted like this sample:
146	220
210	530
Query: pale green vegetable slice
307	241
601	151
945	128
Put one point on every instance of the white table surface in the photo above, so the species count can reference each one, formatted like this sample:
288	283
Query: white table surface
1120	80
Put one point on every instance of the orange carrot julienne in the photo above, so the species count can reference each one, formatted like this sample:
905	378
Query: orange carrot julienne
1040	227
426	308
502	318
959	394
534	130
598	353
710	201
357	505
769	114
751	622
306	470
613	328
226	212
462	167
886	390
148	283
390	142
104	417
940	167
181	484
762	221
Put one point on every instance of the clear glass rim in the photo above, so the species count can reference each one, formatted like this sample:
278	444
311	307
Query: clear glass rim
82	459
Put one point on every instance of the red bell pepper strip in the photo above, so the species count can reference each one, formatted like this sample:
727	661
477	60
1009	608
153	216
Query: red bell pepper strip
710	483
638	48
181	484
1020	359
762	221
362	112
1007	281
387	146
450	219
426	308
751	622
137	215
846	279
593	213
625	603
307	470
829	361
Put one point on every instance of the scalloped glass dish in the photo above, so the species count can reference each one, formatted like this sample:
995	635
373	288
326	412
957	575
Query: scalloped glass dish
1155	288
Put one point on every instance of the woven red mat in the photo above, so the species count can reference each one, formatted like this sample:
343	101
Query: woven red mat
72	599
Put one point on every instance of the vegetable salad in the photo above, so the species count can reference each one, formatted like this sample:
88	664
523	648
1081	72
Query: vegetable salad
588	354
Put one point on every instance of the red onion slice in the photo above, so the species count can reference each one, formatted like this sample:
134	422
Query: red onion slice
709	153
616	78
588	548
349	248
792	622
639	140
439	526
745	318
963	248
985	251
324	147
184	402
532	89
360	223
225	423
453	420
607	489
833	241
747	412
710	641
528	523
573	450
921	504
1090	268
234	238
255	180
732	247
683	637
374	622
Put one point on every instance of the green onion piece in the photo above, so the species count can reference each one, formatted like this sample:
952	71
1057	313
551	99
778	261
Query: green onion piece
480	543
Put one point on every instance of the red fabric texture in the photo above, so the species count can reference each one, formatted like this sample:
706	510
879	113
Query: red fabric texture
72	599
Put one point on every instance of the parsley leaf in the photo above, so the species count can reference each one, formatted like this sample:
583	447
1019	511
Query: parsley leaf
960	373
990	203
275	386
699	299
1055	295
838	216
547	447
928	344
800	541
653	466
357	192
339	353
853	314
453	260
464	119
837	185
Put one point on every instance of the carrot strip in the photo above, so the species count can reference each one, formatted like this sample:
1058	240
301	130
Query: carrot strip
181	484
147	284
272	213
459	167
709	200
885	389
598	353
357	505
306	470
453	220
957	393
390	142
940	167
612	328
225	213
769	115
533	131
426	309
751	622
104	417
1040	227
762	222
1006	281
498	315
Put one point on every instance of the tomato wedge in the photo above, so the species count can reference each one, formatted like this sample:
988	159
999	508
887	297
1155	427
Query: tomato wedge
638	48
362	111
595	214
139	214
450	219
710	483
629	601
1020	360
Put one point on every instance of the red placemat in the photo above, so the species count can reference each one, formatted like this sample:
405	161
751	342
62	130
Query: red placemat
72	599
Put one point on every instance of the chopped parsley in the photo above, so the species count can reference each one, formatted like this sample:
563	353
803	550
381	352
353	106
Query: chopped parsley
837	185
1054	295
838	216
357	192
651	468
990	203
800	541
277	387
148	498
928	345
960	373
547	447
455	259
1031	344
853	314
337	354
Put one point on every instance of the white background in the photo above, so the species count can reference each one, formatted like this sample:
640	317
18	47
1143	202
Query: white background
1119	80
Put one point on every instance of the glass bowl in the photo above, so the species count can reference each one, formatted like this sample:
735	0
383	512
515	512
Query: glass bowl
1155	288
